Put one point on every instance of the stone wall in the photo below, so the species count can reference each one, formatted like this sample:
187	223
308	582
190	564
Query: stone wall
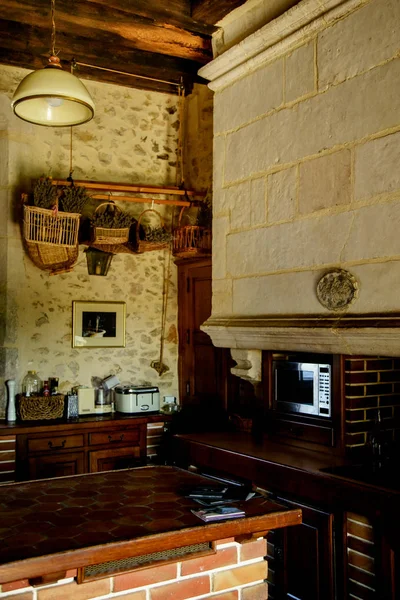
306	153
133	138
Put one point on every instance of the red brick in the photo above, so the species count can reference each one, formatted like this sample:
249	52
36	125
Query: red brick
393	400
355	403
357	438
240	575
360	530
133	596
379	364
393	376
366	377
361	561
14	585
232	595
182	590
355	415
355	391
24	596
255	592
378	389
223	558
255	549
85	591
354	365
224	541
386	413
144	577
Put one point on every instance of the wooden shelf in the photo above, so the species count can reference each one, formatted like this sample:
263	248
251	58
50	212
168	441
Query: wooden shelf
104	186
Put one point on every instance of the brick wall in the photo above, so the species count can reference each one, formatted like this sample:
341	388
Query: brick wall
235	572
371	384
361	558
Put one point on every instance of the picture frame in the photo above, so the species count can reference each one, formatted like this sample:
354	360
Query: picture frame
98	324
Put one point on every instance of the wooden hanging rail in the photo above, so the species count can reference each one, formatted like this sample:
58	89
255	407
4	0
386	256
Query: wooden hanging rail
143	200
123	187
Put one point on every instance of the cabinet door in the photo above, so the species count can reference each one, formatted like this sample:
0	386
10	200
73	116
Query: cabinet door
112	459
202	366
302	558
57	465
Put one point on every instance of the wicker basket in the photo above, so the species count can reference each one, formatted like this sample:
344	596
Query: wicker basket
107	235
191	240
51	238
145	245
36	408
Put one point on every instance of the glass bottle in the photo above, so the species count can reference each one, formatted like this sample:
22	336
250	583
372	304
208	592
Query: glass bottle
31	384
46	389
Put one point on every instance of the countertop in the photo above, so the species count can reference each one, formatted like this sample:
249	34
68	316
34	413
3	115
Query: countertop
91	420
320	479
58	524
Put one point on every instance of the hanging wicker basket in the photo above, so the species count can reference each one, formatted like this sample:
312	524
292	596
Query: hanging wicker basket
145	245
108	235
191	240
51	238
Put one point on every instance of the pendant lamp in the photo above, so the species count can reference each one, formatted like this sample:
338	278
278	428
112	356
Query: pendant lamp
51	96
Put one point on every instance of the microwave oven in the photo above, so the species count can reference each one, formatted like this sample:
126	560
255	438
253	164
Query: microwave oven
303	388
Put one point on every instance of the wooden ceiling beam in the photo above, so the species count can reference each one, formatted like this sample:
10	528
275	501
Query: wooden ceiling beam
212	11
134	31
27	46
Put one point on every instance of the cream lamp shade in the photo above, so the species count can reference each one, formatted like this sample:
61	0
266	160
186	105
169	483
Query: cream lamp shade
52	97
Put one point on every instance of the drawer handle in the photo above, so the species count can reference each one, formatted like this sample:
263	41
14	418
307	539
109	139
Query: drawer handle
121	437
57	447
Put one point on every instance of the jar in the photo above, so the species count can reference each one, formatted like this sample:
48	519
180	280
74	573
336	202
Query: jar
170	406
31	384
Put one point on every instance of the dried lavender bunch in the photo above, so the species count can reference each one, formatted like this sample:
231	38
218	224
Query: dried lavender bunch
44	193
204	216
74	199
156	234
111	219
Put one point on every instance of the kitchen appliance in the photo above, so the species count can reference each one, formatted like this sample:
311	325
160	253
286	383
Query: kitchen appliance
302	387
136	399
86	401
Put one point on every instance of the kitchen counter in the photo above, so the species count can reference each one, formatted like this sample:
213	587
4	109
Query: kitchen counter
319	478
92	420
58	524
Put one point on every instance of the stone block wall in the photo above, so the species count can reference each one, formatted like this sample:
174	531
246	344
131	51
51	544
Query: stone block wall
306	153
236	571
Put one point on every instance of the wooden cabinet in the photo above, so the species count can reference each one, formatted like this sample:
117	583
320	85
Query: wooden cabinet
84	447
203	368
301	558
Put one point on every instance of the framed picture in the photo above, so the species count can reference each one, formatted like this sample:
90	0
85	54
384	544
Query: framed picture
98	324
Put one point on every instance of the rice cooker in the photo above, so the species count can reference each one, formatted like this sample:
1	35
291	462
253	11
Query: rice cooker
134	399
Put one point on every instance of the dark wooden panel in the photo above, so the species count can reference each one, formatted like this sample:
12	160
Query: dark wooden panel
55	443
113	459
211	11
114	437
91	21
58	465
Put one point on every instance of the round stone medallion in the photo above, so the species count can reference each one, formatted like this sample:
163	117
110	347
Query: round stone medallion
337	289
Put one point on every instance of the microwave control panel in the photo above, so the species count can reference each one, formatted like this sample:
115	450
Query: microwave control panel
324	391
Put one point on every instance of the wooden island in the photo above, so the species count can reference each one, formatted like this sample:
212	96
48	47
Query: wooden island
125	528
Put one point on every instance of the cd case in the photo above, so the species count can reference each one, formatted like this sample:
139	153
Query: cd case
219	513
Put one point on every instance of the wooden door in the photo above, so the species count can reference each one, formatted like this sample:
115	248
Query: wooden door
302	560
202	366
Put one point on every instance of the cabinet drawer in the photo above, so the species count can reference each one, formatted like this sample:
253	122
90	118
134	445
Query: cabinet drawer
130	436
55	443
304	431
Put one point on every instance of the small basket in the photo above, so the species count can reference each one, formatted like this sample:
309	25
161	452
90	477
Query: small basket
145	245
51	238
37	408
108	235
191	240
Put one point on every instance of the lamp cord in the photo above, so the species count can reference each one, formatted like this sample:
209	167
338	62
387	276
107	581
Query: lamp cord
53	28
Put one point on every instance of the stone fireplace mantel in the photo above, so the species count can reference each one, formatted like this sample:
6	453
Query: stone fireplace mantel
351	334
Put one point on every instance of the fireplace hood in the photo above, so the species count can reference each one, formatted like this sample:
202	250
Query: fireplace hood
306	180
